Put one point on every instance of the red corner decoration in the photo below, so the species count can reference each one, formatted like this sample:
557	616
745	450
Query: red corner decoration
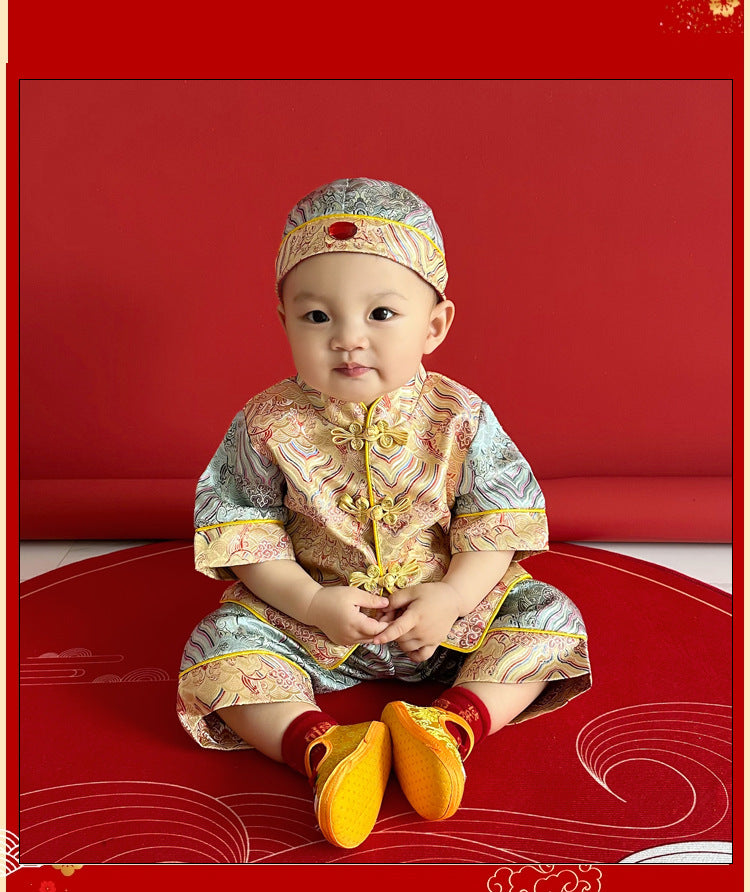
703	17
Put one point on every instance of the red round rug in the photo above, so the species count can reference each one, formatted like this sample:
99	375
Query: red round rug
636	770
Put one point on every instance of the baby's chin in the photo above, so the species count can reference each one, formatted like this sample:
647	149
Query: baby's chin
362	390
355	392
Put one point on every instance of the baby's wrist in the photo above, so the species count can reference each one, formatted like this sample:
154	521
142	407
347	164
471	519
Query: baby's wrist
456	596
313	607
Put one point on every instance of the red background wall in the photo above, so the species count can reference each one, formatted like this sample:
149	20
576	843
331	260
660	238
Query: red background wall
588	236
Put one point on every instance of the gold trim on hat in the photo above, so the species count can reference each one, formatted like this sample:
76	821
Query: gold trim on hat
365	217
404	244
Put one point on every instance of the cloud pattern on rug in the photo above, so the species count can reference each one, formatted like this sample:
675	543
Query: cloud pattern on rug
150	822
79	665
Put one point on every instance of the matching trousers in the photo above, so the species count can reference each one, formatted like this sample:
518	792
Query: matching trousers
233	657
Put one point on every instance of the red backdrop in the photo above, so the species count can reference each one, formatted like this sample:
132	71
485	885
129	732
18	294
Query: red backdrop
588	235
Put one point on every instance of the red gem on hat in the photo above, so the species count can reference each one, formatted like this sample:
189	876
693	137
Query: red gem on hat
342	230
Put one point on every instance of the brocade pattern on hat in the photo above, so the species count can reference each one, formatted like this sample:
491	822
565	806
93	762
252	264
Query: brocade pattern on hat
366	197
390	221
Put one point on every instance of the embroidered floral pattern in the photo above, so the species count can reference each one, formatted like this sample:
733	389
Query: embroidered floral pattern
233	544
254	677
323	651
523	531
510	656
369	197
494	474
434	720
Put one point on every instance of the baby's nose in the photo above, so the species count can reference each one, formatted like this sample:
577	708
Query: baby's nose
349	336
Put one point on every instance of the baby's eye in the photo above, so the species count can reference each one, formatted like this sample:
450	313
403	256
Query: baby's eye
316	316
380	314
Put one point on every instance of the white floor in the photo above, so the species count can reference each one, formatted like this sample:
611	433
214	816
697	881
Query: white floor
710	563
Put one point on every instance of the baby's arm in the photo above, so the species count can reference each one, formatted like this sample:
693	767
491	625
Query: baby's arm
335	610
433	607
473	574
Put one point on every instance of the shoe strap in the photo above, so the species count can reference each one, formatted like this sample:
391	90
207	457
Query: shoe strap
451	718
319	741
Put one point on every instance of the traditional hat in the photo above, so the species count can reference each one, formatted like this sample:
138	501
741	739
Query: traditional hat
368	217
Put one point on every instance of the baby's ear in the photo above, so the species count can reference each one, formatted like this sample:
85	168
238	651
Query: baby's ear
441	320
282	313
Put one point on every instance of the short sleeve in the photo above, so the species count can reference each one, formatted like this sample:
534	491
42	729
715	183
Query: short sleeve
499	505
239	507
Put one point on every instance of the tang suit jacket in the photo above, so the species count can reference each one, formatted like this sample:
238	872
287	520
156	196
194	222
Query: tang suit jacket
375	496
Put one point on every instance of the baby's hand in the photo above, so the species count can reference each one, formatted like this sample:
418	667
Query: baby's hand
341	613
385	615
430	611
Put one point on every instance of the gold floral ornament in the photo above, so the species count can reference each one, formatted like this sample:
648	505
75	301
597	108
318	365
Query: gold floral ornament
359	509
723	7
386	511
396	576
67	870
356	435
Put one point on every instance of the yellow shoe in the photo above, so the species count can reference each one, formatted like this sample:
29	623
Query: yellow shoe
350	780
426	758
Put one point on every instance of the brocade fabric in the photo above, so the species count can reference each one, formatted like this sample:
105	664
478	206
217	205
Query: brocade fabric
387	220
378	497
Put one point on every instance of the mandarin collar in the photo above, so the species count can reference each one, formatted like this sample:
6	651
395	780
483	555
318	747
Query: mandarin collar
391	407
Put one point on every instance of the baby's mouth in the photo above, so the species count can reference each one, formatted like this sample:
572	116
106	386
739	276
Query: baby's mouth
352	369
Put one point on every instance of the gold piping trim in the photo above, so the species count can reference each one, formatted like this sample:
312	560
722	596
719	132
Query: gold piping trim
503	511
233	523
539	632
363	217
289	634
370	490
241	653
468	650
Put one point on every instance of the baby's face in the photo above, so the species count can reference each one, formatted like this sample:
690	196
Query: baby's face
358	325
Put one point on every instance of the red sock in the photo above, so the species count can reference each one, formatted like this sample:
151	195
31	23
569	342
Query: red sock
300	734
472	710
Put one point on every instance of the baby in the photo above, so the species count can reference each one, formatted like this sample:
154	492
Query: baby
371	516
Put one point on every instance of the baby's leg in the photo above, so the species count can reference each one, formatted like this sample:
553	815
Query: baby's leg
347	765
262	725
504	701
430	743
533	660
356	759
